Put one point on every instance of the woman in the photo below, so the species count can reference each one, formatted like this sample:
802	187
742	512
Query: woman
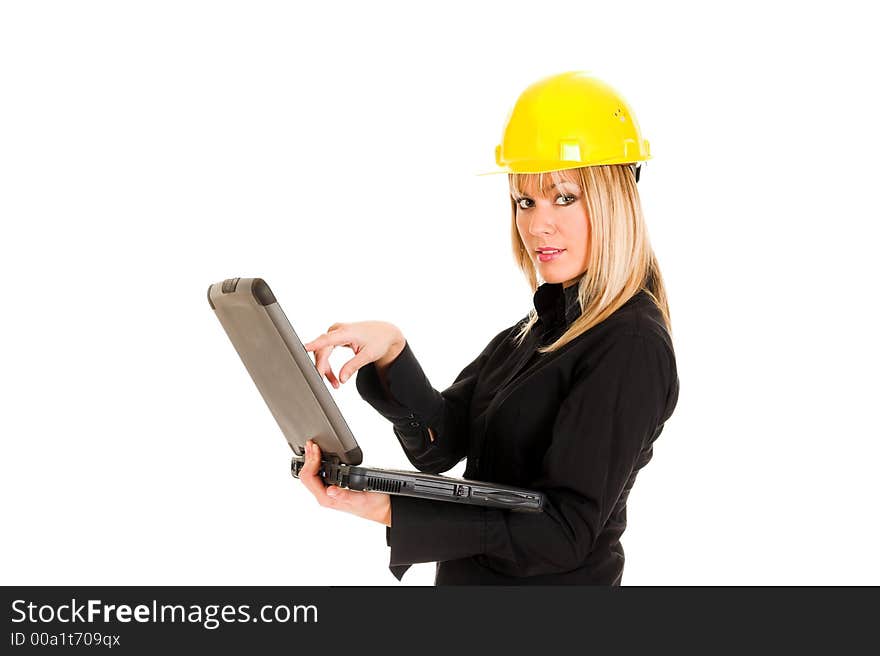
568	400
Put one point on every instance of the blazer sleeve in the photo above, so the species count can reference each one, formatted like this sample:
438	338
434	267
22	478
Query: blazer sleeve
415	405
614	411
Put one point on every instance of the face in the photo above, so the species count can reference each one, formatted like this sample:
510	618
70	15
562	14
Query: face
554	219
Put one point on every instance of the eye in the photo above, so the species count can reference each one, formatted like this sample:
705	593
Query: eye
567	199
523	203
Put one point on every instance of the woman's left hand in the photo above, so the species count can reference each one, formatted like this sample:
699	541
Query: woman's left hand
369	505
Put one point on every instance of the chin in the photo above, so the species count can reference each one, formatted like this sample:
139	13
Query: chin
555	277
558	276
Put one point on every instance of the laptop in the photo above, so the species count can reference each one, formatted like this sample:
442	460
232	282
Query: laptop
304	408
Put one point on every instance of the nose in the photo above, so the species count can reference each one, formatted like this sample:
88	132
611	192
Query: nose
541	220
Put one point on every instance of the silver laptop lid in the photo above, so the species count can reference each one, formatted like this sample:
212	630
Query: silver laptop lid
281	368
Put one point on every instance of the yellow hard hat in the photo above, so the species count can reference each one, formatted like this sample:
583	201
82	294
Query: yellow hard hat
566	121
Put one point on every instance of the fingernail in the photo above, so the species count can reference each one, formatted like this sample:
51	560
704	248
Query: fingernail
332	491
343	377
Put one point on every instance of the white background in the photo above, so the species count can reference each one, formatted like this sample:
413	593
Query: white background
149	149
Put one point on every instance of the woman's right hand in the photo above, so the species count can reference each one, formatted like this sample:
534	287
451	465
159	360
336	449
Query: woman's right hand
371	341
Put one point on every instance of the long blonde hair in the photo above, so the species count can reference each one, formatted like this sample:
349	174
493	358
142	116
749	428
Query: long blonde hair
621	261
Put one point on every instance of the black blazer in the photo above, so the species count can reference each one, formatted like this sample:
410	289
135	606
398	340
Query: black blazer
577	424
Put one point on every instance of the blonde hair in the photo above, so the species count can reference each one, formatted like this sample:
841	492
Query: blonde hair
621	261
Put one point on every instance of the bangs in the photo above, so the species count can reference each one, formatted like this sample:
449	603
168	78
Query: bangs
535	184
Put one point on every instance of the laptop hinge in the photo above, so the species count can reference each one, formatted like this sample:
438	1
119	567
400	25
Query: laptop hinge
331	470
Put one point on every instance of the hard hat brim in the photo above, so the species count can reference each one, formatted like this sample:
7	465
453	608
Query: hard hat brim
547	167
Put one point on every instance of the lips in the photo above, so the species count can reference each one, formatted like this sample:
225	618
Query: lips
549	255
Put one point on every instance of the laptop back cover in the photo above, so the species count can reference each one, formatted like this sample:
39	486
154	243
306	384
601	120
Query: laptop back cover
281	368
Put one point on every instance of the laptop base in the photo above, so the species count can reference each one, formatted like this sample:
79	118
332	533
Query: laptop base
425	486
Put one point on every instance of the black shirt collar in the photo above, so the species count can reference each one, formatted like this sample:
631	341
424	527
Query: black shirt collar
556	306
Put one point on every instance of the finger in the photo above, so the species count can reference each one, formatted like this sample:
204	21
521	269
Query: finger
322	363
331	337
339	495
316	485
326	339
309	469
309	473
316	450
351	367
